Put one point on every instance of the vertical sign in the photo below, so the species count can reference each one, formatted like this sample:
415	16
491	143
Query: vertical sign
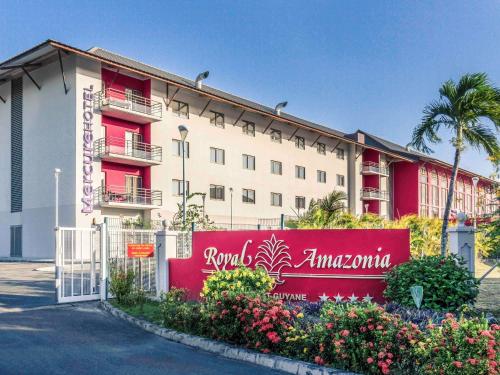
88	150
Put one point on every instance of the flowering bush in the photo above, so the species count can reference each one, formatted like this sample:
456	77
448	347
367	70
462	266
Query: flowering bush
241	280
178	313
465	346
259	323
364	338
447	285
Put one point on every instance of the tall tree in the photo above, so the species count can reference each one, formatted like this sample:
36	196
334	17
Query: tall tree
470	110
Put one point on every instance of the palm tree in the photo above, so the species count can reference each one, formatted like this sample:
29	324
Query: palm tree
462	109
324	210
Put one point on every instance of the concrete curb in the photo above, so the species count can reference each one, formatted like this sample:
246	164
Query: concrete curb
25	260
226	350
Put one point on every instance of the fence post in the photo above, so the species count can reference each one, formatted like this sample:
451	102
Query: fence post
258	226
193	226
58	266
104	260
461	239
161	263
282	221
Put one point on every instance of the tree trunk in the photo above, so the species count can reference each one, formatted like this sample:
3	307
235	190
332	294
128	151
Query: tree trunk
449	200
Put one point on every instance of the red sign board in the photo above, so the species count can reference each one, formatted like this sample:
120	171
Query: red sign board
140	250
336	264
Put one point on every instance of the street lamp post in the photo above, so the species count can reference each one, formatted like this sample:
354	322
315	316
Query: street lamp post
57	172
231	192
475	180
183	130
203	196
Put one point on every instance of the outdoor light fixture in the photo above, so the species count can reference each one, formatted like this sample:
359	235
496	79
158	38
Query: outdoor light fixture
279	107
183	130
199	79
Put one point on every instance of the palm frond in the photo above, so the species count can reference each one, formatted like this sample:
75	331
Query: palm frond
480	137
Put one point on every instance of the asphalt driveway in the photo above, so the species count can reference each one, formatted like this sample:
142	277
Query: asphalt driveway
38	337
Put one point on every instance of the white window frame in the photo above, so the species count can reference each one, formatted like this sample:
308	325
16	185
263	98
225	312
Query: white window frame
300	142
340	153
276	136
340	180
302	200
321	148
177	148
177	187
248	128
321	176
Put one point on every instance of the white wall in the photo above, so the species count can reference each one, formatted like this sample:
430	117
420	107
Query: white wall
201	173
5	170
48	134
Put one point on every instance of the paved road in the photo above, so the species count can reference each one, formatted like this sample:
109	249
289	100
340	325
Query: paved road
82	339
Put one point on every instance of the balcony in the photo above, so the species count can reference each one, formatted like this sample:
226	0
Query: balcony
127	106
371	168
121	197
129	152
374	194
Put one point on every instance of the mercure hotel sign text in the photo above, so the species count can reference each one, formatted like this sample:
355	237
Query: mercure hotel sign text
88	149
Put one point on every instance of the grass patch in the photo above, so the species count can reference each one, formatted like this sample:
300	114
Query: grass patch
150	311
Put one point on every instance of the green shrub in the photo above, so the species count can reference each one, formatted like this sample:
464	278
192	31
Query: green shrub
465	346
122	286
178	313
241	280
447	285
488	239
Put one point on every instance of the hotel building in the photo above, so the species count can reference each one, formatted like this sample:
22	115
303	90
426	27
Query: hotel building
111	125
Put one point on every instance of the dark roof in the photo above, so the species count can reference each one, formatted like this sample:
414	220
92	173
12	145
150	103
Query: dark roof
100	52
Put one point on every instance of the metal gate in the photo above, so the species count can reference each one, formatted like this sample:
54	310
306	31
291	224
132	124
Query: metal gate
118	259
79	266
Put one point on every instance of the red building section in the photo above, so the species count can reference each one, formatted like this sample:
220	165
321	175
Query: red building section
122	136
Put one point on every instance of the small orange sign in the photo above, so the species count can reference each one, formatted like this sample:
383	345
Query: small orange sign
140	250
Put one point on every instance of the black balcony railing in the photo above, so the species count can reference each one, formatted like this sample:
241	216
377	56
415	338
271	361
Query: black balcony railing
119	146
128	101
120	194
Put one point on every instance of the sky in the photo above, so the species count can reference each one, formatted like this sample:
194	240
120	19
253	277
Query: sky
348	65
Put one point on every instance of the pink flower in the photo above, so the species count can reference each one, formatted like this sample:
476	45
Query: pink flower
457	364
319	360
369	360
329	325
472	361
344	333
470	340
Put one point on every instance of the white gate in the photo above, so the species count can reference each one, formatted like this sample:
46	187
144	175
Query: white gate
79	266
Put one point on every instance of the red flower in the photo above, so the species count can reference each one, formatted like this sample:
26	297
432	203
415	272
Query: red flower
319	360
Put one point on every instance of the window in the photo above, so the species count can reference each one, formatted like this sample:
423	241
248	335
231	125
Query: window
321	147
322	176
340	153
300	142
248	162
300	172
276	199
180	109
249	128
276	135
217	119
276	167
177	148
177	187
217	192
248	196
217	155
340	180
300	202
